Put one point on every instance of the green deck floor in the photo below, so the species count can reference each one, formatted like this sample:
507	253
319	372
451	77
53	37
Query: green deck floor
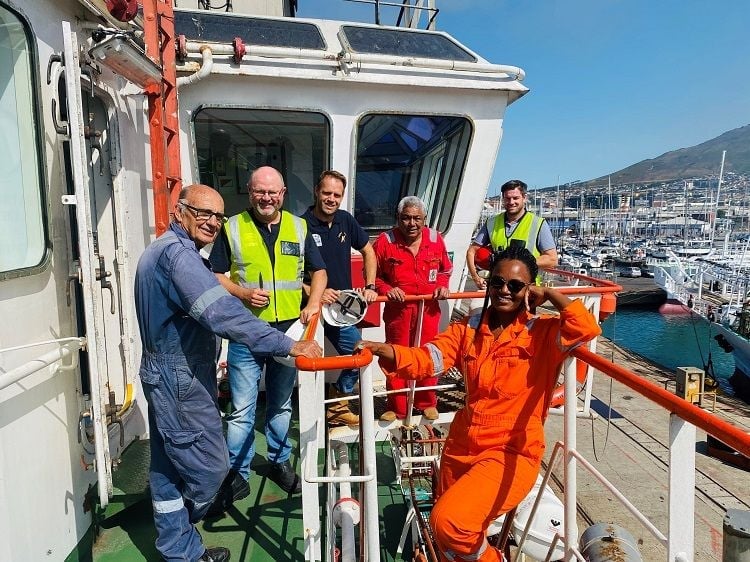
265	526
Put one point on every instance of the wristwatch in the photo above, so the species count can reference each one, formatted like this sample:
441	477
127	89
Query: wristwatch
371	286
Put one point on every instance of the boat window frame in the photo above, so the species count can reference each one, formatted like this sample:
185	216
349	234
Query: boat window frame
38	135
432	221
327	146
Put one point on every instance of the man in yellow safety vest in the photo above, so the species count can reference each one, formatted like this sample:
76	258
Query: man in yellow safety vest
515	225
266	251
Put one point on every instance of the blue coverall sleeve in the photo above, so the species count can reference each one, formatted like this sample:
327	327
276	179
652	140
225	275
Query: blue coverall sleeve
200	293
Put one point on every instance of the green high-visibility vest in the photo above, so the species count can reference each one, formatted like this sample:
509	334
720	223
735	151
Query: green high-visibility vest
526	230
251	263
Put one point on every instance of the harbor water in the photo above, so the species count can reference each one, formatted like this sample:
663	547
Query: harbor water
671	341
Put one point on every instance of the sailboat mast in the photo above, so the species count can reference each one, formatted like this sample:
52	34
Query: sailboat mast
718	193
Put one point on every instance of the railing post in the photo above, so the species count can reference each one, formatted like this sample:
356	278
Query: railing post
371	522
681	489
416	341
569	446
311	393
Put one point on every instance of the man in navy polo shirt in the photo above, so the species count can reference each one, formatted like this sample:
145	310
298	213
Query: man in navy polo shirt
336	232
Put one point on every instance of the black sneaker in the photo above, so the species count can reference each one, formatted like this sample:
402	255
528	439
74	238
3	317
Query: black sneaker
234	488
283	474
215	554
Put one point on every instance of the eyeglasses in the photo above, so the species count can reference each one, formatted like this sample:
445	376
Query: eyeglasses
266	193
204	215
515	286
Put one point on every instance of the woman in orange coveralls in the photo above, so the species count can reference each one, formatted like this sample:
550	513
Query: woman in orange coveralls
510	359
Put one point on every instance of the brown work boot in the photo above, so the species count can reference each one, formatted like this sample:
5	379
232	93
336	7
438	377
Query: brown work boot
338	413
388	416
431	413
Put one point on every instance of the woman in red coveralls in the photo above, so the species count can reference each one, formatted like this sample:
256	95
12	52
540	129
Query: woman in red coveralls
412	260
510	358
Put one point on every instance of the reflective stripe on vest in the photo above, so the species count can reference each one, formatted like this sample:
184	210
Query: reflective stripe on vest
526	230
251	262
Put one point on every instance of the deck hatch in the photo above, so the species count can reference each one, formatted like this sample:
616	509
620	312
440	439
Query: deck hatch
222	28
404	43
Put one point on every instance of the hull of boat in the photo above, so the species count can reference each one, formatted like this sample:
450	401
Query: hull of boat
740	348
673	307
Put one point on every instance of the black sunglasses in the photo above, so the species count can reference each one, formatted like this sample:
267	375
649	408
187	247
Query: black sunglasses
204	215
515	286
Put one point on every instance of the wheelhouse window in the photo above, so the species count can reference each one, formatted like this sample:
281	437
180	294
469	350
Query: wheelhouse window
400	155
232	142
22	234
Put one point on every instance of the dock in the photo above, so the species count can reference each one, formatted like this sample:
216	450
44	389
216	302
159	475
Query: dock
628	443
641	292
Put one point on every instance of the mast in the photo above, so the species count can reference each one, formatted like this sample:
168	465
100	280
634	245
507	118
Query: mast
718	194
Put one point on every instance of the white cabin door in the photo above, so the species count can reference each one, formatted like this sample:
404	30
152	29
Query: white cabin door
101	312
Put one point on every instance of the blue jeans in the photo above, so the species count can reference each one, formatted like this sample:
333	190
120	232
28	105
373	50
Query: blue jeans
188	454
245	371
343	340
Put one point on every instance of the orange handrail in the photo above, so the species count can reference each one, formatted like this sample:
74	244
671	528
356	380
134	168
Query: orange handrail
480	294
723	431
361	358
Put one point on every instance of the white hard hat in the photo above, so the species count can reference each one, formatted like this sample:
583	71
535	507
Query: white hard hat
348	309
295	331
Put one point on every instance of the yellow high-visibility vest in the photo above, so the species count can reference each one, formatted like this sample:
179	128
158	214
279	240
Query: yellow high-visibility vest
251	263
527	231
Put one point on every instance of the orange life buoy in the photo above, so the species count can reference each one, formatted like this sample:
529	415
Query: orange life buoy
607	305
558	393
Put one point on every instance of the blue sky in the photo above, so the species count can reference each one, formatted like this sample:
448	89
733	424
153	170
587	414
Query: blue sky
612	81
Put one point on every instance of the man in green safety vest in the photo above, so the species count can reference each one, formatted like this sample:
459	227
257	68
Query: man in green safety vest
266	251
515	225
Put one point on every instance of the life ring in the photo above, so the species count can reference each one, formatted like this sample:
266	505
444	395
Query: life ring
558	393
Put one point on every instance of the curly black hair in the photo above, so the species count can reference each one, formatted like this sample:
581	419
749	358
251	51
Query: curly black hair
514	252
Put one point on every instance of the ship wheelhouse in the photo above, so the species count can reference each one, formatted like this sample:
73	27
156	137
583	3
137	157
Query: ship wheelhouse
398	111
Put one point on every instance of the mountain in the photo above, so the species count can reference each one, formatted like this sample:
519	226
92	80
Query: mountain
701	160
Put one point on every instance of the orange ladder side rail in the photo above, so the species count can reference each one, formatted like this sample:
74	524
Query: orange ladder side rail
163	121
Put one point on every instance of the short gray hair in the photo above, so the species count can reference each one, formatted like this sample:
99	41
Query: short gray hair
411	201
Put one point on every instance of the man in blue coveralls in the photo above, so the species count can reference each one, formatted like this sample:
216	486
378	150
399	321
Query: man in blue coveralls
336	232
181	307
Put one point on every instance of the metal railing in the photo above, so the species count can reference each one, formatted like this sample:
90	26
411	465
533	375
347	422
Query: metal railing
678	539
64	348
